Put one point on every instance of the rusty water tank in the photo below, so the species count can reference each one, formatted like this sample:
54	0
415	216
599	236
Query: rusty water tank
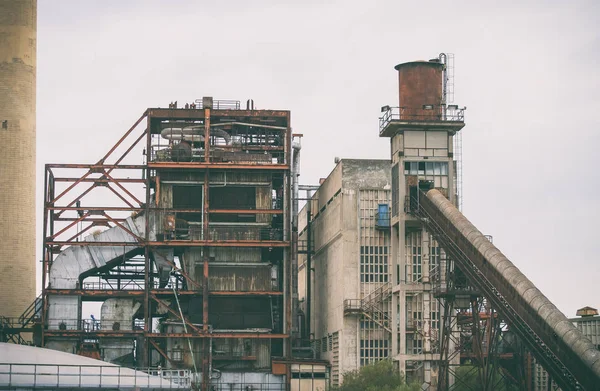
420	84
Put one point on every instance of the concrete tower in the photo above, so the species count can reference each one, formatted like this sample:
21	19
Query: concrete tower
18	24
421	131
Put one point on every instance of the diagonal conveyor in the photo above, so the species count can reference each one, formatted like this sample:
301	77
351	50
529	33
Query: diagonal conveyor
568	356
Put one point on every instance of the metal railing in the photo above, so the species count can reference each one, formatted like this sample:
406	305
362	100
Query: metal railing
244	234
426	113
251	386
165	153
382	220
94	325
223	104
91	377
369	310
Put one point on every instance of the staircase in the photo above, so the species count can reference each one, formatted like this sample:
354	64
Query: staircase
371	306
12	328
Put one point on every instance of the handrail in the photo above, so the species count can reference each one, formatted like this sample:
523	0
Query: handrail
441	113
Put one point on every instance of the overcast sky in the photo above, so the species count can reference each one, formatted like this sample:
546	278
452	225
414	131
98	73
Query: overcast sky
526	70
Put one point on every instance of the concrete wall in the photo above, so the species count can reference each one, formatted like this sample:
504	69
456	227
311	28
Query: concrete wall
336	261
18	23
426	147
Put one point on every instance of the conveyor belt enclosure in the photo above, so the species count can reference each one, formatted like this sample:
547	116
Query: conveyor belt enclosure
569	357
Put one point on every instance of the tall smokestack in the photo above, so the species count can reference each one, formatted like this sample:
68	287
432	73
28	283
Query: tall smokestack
18	25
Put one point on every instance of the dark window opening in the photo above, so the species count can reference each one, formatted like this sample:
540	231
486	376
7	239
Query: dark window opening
188	197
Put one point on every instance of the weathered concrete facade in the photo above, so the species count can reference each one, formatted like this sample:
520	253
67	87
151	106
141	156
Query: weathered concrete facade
350	262
18	20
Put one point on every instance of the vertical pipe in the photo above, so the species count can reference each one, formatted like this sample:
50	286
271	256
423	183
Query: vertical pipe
308	262
295	179
147	283
205	251
288	256
46	255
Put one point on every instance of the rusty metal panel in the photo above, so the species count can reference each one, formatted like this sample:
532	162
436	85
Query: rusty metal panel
242	279
263	201
420	84
263	354
236	255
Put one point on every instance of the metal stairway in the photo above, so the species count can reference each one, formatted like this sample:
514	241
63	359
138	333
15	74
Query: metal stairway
12	328
371	306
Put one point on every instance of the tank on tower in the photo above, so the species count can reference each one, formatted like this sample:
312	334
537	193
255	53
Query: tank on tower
420	89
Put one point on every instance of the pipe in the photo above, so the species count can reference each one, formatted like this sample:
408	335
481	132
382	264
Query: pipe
296	147
193	133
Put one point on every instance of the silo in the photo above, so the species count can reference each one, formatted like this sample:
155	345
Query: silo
420	89
18	24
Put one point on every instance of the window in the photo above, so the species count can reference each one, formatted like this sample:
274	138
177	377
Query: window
417	271
434	260
374	264
437	172
414	266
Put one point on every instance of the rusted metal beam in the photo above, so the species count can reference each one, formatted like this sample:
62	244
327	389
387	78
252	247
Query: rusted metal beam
121	196
161	352
96	208
70	225
139	239
174	313
216	166
88	220
178	243
97	333
97	167
135	125
216	334
101	180
195	114
95	293
247	211
120	186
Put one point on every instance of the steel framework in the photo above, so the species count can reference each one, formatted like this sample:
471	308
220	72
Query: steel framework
85	198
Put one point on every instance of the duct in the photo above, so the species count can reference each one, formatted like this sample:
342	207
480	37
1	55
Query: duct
248	124
117	314
560	346
76	262
193	133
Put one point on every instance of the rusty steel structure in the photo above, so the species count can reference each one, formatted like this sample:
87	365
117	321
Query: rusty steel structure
189	252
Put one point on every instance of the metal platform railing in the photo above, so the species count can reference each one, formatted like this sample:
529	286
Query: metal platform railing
224	104
94	325
426	113
91	377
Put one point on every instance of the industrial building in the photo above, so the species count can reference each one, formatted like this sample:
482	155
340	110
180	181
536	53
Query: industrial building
186	236
188	254
344	248
18	29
